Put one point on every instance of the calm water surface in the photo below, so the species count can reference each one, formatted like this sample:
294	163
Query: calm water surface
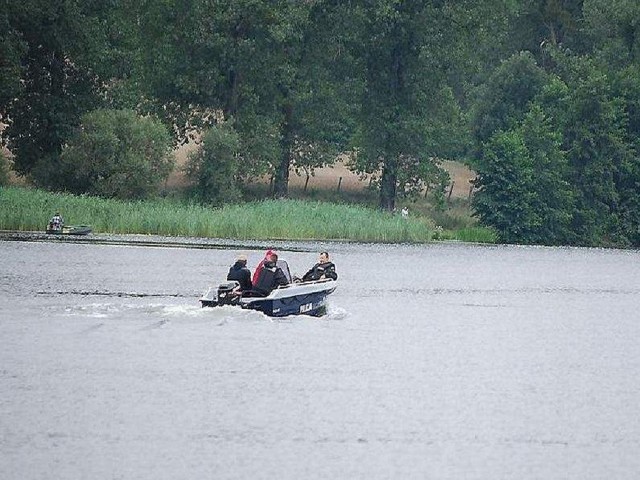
440	361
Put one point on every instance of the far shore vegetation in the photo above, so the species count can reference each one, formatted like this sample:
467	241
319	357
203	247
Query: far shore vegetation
291	219
539	99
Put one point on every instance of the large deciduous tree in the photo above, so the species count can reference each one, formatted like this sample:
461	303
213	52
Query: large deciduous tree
523	191
600	152
260	64
57	41
11	48
409	53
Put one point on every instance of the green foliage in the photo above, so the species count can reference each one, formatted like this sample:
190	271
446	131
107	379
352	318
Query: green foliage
505	197
523	192
262	64
554	202
58	44
599	154
579	126
455	215
116	154
611	30
552	22
409	115
502	102
213	168
476	235
10	68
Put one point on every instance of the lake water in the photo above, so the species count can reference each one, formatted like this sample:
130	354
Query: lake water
445	361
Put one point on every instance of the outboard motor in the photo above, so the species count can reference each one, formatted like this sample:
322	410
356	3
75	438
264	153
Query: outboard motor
221	295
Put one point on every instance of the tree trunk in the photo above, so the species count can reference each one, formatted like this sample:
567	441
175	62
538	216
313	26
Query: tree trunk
231	107
281	174
389	180
388	185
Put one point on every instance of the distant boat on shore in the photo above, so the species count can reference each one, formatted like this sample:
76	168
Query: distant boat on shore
70	230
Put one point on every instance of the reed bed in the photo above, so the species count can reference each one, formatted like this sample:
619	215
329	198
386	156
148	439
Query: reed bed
31	209
476	235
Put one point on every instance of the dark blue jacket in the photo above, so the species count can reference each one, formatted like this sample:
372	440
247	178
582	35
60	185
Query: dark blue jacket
241	274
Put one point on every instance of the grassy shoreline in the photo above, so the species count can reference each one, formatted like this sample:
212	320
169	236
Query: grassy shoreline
30	209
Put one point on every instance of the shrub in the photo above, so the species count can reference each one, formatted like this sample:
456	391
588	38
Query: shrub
213	168
117	154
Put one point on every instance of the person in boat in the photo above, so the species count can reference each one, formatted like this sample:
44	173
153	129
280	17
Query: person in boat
321	270
56	222
240	273
270	277
260	266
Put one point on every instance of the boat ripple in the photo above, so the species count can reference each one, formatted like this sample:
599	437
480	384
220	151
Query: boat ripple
87	293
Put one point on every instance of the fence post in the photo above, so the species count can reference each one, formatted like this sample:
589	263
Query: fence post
450	191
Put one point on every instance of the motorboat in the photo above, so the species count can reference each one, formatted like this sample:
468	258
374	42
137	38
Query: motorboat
304	298
69	230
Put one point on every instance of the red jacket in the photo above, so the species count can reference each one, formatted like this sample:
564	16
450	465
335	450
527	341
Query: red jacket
258	270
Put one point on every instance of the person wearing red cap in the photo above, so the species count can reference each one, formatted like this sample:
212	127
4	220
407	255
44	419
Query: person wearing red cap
271	276
260	266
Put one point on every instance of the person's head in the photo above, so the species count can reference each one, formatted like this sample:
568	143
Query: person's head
324	257
273	257
242	259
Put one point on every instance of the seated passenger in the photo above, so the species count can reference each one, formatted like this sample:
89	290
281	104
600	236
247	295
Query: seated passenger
321	270
240	273
271	277
260	266
56	222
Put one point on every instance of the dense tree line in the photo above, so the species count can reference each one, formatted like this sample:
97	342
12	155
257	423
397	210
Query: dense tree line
556	128
540	97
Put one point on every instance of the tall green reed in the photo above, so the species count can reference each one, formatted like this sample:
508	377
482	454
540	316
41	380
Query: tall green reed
31	209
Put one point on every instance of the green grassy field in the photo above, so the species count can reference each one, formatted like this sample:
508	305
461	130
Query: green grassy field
30	209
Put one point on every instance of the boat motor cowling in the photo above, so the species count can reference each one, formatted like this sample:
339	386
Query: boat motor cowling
223	294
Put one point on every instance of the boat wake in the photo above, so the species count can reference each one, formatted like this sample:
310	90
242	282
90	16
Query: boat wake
335	313
101	293
137	306
159	313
